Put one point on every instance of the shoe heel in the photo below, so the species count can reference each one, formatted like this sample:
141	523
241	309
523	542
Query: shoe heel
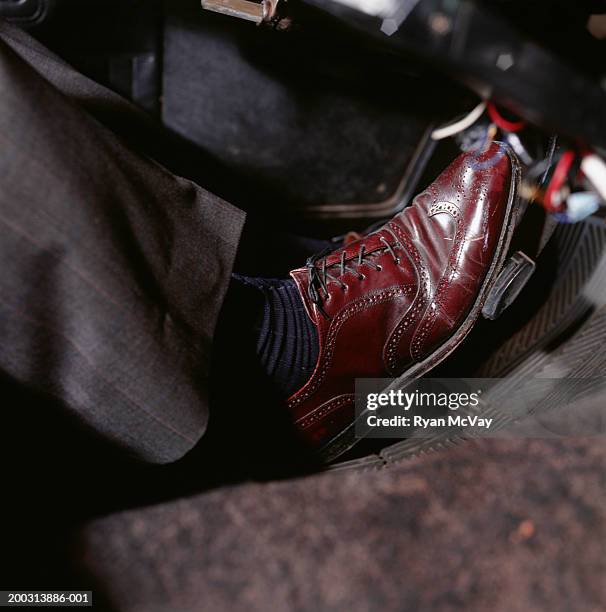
511	280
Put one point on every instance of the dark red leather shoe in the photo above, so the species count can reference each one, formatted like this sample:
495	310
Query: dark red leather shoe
398	301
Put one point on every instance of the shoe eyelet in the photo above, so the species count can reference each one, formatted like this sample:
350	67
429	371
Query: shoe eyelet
379	267
362	277
345	288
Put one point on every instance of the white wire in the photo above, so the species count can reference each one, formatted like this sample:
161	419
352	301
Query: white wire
594	168
459	126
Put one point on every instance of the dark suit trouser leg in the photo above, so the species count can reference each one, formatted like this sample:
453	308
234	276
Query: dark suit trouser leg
112	269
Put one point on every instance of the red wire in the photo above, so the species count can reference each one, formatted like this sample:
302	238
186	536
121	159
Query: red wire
557	181
501	122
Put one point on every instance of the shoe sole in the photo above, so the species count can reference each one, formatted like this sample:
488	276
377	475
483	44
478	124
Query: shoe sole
345	440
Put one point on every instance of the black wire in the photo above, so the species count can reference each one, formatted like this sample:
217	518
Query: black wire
551	149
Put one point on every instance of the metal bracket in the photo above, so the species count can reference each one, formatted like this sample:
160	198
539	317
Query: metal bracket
249	10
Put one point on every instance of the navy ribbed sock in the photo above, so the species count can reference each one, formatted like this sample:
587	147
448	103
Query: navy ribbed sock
285	337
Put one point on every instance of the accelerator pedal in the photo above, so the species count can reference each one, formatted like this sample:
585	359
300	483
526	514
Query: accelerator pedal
513	277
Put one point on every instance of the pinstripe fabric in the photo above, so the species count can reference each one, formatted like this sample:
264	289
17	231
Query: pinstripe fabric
112	269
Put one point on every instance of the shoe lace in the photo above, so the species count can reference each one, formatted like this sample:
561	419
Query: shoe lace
320	273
